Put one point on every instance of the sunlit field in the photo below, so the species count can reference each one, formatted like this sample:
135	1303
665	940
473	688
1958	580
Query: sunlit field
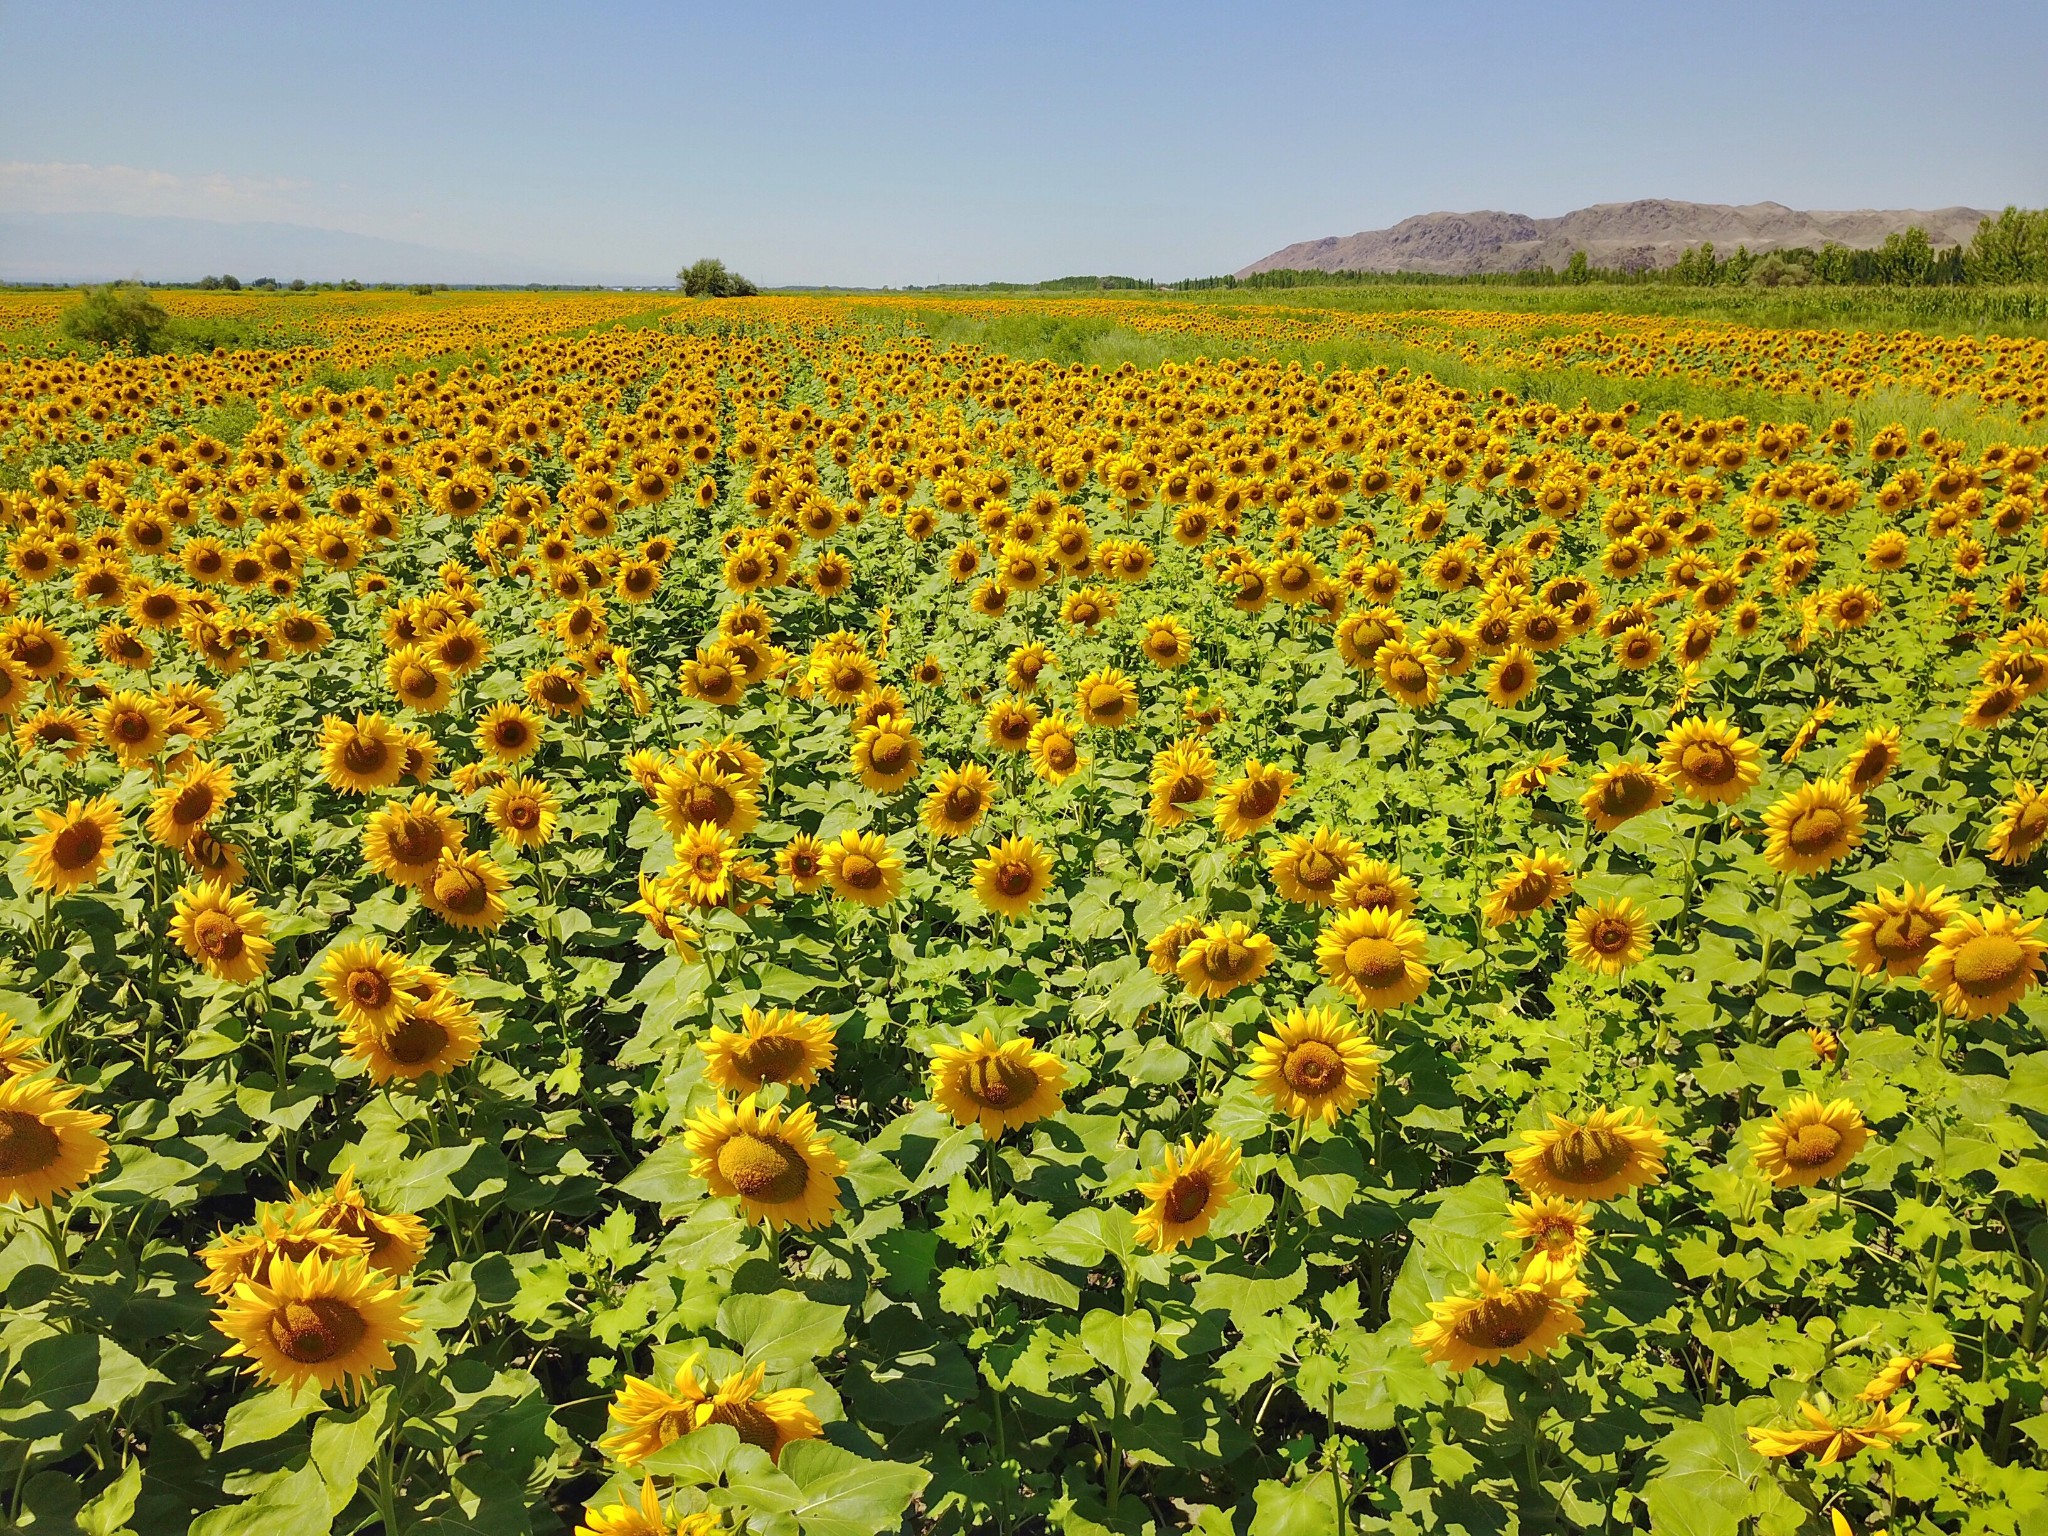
831	916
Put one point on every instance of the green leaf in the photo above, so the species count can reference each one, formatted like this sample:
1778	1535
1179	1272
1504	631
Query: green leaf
848	1495
1703	1488
908	1257
664	1177
265	1416
1120	1343
1297	1509
109	1511
343	1444
782	1328
296	1503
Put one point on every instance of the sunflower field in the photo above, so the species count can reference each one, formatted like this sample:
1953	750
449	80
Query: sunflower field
655	918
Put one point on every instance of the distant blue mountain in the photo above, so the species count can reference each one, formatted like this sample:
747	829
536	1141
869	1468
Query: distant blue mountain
100	247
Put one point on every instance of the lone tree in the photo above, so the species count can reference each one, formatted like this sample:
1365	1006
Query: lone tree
709	279
116	315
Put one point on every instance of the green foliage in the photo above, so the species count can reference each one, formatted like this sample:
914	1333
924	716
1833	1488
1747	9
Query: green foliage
987	1342
118	316
708	279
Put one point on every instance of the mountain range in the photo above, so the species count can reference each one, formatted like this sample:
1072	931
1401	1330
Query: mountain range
1651	232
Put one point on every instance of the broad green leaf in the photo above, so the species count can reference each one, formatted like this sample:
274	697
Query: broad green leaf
848	1495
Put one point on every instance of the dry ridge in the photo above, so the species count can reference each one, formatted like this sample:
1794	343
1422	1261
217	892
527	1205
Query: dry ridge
1651	232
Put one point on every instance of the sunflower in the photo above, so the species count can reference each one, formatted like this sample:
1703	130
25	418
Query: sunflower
18	1056
1055	754
47	1148
357	757
367	984
1163	950
315	1321
1009	724
1374	885
36	649
1020	672
296	1234
705	868
1622	791
1992	705
1222	958
701	794
1827	1439
1710	760
1374	955
1512	678
180	808
1014	875
1559	1229
659	904
1000	1086
1808	1141
73	848
1608	1153
223	930
404	843
1502	1320
1893	934
507	732
1410	675
465	891
650	1417
1816	825
67	730
1167	643
1184	1193
436	1034
863	868
2021	827
801	861
1982	964
959	800
523	811
1106	698
1873	760
1902	1370
1252	799
772	1161
396	1241
780	1046
208	856
1183	774
1638	648
886	754
1308	870
1315	1065
14	686
1608	937
134	727
417	681
1537	880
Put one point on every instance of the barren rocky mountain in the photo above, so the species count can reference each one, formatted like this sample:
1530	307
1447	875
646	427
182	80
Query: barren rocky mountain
1652	232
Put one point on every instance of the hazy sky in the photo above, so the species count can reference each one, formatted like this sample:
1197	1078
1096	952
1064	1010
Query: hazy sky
910	143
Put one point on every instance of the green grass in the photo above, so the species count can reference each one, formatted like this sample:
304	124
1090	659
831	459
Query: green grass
1067	338
2019	311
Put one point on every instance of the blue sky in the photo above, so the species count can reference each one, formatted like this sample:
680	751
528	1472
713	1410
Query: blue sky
918	143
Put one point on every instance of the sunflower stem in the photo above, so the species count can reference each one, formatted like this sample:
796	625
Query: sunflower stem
1337	1488
1692	865
1849	1006
55	1231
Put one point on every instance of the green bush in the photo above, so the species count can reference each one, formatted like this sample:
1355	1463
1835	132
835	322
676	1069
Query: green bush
709	278
118	315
